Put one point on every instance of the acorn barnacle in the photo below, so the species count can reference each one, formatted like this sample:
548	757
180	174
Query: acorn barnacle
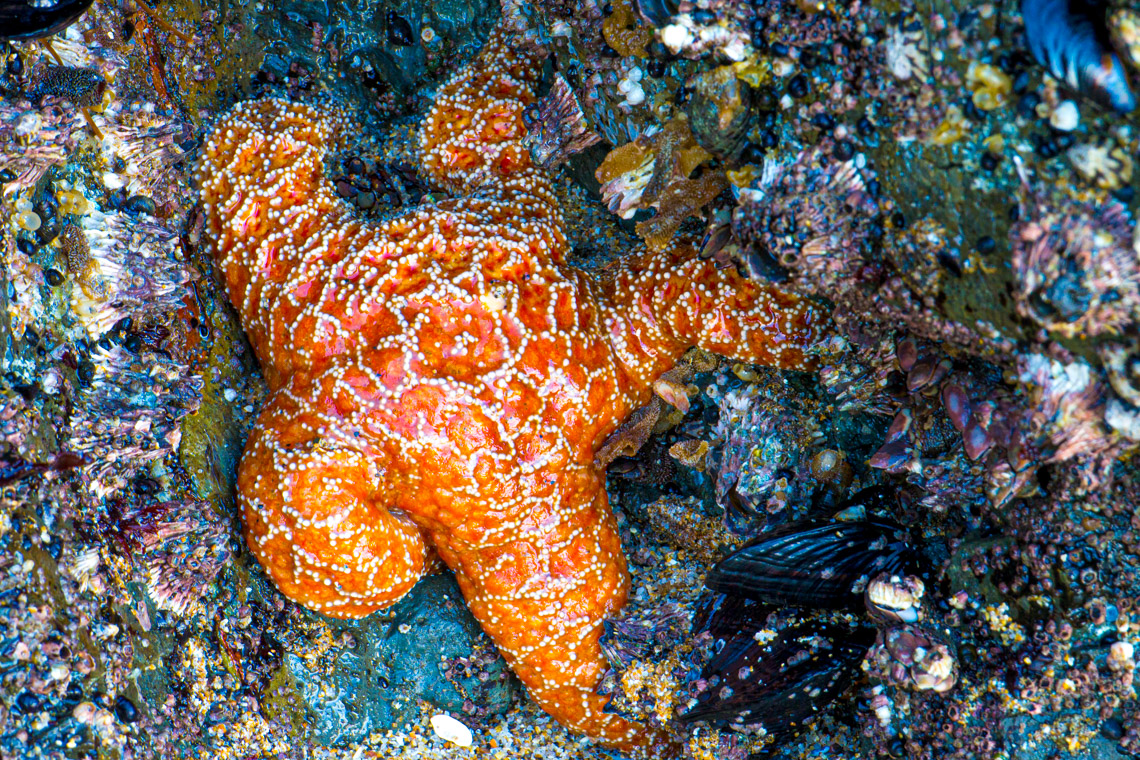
1102	163
892	598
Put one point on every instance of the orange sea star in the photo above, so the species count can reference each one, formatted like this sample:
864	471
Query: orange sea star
443	379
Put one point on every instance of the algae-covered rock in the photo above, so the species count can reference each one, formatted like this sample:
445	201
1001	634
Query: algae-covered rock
427	647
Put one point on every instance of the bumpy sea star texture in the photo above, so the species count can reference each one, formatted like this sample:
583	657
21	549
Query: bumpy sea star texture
442	380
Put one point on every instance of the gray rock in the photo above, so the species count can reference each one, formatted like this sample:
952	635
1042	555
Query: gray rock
1028	737
427	647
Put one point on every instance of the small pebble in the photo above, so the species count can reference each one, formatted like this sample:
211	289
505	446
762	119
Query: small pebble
140	204
125	710
366	200
28	220
844	151
399	30
1112	729
26	702
1065	117
85	372
84	712
798	87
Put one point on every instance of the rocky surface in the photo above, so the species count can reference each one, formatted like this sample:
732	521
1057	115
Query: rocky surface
978	248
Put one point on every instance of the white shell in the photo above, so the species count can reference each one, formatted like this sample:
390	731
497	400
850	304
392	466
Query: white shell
1066	116
449	729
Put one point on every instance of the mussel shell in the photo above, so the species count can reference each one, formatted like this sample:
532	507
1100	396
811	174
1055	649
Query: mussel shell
813	564
781	683
24	20
763	266
724	616
721	110
1071	39
657	13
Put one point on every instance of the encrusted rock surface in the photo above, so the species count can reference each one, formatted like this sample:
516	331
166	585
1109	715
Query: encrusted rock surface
970	218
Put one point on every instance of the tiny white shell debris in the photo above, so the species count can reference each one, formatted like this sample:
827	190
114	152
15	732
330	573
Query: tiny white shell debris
449	729
28	123
1120	656
735	50
1065	117
675	37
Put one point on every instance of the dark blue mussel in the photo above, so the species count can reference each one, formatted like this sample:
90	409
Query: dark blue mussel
657	12
778	684
31	19
811	563
1070	38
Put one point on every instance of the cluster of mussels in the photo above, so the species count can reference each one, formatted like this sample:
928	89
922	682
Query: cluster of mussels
771	670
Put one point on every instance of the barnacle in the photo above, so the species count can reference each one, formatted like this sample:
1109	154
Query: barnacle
907	47
131	413
810	217
892	598
181	546
1075	269
1102	163
914	659
1122	365
124	267
556	126
148	145
720	111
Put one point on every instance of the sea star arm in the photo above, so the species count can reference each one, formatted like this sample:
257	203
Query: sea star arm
278	230
543	593
658	304
317	514
472	137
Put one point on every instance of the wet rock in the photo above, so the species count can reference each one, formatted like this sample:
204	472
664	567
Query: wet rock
1023	738
376	49
427	647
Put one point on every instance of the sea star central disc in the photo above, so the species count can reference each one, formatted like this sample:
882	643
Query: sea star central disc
443	379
